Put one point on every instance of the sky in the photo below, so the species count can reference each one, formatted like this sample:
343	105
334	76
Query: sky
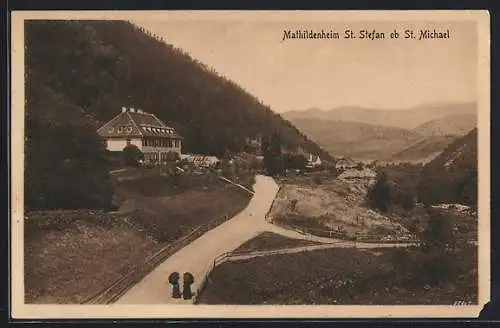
300	74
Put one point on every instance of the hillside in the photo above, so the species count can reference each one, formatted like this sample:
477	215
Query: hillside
452	176
404	118
425	149
459	125
64	158
103	65
367	141
88	70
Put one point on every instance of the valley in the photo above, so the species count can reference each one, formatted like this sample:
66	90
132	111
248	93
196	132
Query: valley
351	136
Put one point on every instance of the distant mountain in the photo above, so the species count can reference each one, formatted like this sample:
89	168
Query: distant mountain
424	150
367	142
405	118
458	124
452	176
460	154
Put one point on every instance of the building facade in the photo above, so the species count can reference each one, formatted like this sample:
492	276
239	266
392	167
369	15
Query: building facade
144	130
313	161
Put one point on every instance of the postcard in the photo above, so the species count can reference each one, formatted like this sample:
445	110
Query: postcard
250	164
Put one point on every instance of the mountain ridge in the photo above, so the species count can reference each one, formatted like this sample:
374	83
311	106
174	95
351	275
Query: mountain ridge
452	176
456	124
368	141
408	118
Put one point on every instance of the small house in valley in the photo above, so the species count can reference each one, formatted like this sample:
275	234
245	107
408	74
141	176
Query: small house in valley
313	161
144	130
345	163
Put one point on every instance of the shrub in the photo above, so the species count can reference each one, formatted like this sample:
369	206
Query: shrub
294	162
379	196
439	233
132	155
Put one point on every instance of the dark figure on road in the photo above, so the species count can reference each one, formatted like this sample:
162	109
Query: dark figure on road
173	279
186	288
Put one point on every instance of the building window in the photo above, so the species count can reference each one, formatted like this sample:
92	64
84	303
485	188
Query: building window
120	129
129	129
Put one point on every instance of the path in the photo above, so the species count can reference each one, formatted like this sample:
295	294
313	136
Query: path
342	244
198	256
290	233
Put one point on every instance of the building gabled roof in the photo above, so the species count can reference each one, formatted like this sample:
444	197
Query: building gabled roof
137	124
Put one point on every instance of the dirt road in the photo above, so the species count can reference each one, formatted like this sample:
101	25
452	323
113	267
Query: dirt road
198	256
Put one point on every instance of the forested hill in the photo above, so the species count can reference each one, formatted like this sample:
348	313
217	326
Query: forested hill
99	66
452	176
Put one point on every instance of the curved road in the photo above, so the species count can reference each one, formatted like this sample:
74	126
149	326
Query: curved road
198	257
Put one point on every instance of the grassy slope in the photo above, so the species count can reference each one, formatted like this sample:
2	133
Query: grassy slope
429	147
458	124
334	276
71	261
170	215
270	241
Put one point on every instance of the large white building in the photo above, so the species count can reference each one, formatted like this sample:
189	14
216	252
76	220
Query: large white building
144	130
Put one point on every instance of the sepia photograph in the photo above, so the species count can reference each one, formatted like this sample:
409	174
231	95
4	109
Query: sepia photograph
248	164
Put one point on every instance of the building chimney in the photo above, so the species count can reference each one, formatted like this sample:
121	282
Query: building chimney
132	110
124	109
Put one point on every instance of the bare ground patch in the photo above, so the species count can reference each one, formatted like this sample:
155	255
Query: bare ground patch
332	205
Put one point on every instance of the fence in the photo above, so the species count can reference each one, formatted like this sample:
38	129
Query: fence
329	233
124	283
272	204
236	255
237	185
